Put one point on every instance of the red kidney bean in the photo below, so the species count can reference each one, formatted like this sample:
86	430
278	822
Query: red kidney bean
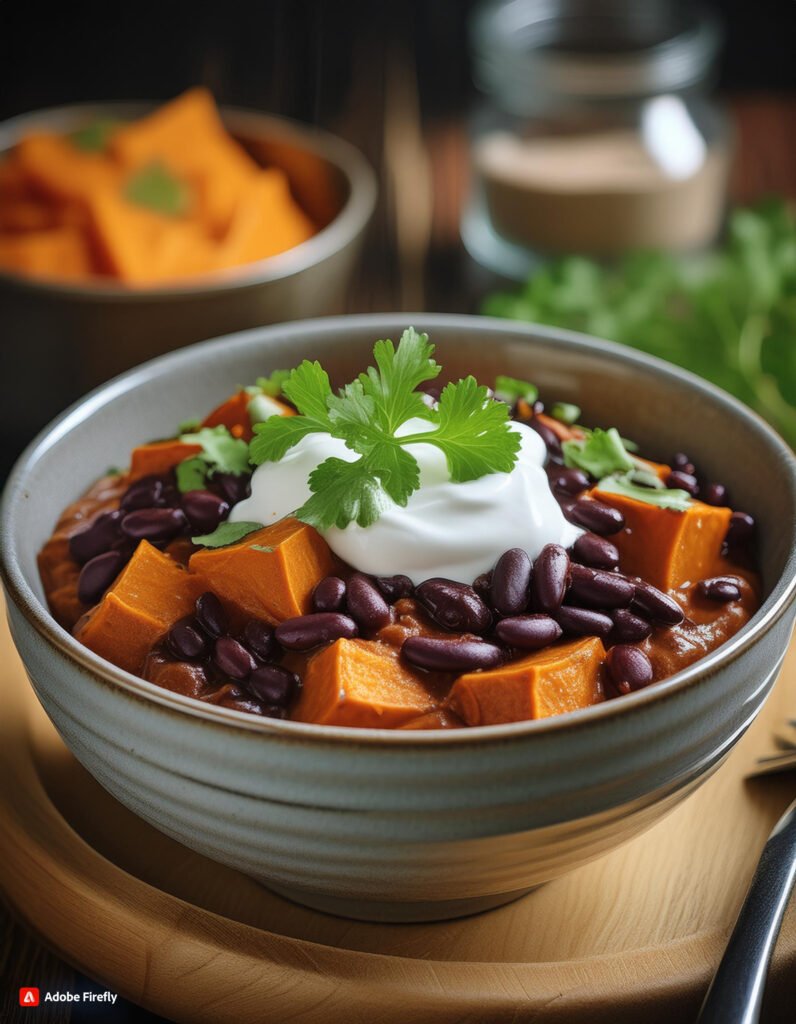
721	588
365	604
583	621
394	588
97	575
528	631
629	628
684	481
154	524
144	493
307	631
596	516
682	462
550	578
571	482
232	658
656	605
511	580
741	529
329	595
715	494
550	438
482	585
629	668
273	685
100	536
186	641
259	638
597	552
233	487
442	655
454	605
204	509
210	615
595	588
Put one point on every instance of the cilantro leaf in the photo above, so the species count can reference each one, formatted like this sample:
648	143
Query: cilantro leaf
565	412
226	533
343	493
93	137
272	384
220	450
189	426
191	474
274	436
156	188
600	454
308	389
509	389
391	385
664	497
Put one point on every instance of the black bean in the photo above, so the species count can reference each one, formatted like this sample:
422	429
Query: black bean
595	588
100	536
656	605
442	655
715	494
454	605
482	585
204	509
144	493
741	529
721	588
365	604
550	578
528	631
329	595
394	587
154	523
682	462
211	615
186	641
232	658
583	621
568	481
233	487
259	638
597	516
629	668
307	631
511	580
97	575
273	685
683	481
550	438
598	552
629	628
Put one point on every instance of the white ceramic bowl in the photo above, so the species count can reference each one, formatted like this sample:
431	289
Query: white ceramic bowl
402	825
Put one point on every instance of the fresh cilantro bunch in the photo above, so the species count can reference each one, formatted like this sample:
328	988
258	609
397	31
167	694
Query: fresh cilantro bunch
472	430
221	453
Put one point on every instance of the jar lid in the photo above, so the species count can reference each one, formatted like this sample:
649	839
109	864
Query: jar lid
528	52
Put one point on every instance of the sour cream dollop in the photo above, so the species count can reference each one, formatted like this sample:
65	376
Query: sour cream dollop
453	530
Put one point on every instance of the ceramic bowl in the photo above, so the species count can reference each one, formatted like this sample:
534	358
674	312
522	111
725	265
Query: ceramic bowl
66	326
404	825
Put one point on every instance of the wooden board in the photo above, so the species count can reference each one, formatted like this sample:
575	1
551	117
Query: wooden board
633	936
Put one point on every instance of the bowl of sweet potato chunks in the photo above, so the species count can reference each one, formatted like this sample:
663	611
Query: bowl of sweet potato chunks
391	823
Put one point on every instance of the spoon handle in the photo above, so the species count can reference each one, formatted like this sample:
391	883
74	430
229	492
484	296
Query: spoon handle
736	993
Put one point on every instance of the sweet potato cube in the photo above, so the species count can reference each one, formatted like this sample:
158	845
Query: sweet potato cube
150	595
549	682
361	683
271	573
61	171
57	252
159	457
665	547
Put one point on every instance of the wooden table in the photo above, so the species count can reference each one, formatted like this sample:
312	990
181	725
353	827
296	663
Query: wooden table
415	262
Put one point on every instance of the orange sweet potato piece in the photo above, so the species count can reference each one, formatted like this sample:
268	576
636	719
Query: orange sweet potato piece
361	683
660	470
58	252
234	414
62	172
150	595
548	682
159	457
271	573
665	547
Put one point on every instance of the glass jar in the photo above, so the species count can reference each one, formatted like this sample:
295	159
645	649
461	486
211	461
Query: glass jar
597	134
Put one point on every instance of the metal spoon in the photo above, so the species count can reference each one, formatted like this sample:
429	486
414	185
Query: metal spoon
736	993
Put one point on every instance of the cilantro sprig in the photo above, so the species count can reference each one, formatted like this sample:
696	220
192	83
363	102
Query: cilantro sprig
600	453
470	429
221	453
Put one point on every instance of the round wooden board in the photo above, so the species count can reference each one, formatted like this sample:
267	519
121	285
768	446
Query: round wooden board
633	936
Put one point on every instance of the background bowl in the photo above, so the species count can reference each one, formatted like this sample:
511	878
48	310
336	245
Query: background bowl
400	825
65	338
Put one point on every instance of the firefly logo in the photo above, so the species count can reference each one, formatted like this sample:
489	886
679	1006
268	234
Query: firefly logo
28	997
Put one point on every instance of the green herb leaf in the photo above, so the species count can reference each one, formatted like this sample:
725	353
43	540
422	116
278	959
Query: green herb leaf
94	137
272	384
509	389
191	474
601	453
226	533
189	426
222	452
156	188
309	390
261	547
565	412
343	493
391	385
276	435
663	497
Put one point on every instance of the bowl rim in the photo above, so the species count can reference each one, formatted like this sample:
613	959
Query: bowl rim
19	590
353	216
